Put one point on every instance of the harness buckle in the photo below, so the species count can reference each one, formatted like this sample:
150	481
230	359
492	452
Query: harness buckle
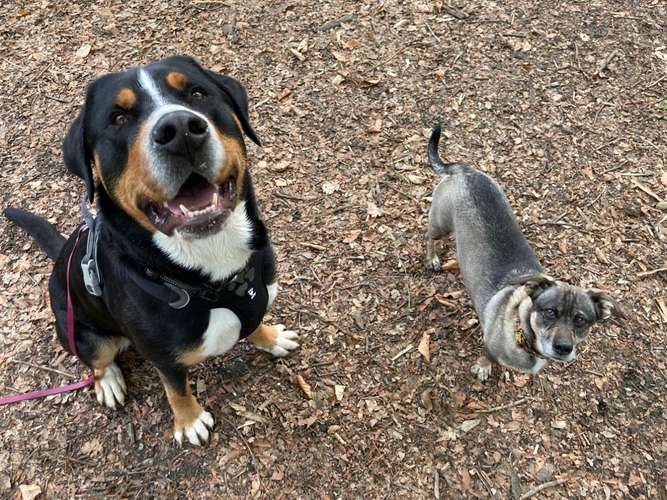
91	277
183	296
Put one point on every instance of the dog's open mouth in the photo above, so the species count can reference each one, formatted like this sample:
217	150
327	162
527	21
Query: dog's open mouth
198	209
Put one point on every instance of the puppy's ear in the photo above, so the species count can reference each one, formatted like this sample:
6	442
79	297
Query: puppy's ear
535	284
605	306
76	155
239	100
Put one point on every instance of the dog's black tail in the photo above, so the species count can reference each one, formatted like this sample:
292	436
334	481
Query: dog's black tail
433	157
43	232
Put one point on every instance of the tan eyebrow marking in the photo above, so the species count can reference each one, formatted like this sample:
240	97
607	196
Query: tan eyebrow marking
126	99
177	80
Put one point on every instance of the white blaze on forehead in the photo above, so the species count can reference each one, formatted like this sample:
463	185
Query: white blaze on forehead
150	86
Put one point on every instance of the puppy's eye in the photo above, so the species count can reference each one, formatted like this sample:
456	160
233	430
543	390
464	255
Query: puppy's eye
118	118
579	320
549	313
198	93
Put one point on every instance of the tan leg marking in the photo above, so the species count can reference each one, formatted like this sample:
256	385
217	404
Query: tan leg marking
190	419
432	259
274	339
110	386
193	357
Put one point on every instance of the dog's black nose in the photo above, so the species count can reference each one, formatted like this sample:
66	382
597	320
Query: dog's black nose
180	133
562	348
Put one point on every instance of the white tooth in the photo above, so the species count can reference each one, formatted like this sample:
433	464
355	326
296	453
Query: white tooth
185	210
214	202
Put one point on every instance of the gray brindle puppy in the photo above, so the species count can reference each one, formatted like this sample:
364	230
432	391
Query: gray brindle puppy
527	317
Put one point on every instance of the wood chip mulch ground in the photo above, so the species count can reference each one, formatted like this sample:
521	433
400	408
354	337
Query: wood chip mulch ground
564	102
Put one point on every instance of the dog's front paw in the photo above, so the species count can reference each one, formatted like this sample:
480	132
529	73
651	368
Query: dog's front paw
482	368
434	264
110	386
196	431
285	342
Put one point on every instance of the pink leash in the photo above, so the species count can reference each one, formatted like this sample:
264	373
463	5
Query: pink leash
5	400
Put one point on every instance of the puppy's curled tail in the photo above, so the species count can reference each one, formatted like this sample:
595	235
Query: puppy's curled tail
43	232
438	165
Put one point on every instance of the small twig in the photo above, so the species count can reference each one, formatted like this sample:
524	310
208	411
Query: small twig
46	368
653	271
286	196
594	373
404	351
541	487
313	246
646	189
607	60
656	82
504	407
454	12
390	58
335	23
243	439
396	190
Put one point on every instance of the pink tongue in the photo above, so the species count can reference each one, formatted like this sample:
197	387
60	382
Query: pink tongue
194	194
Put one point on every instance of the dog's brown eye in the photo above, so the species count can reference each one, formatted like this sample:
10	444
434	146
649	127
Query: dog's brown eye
118	118
197	93
549	313
579	320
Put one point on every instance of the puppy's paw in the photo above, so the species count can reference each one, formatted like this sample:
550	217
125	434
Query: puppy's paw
110	386
482	368
434	264
285	342
196	431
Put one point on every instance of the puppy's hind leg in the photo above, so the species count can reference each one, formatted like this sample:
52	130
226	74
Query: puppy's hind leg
482	368
432	260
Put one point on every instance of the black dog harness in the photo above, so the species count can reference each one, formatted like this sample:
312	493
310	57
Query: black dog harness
244	293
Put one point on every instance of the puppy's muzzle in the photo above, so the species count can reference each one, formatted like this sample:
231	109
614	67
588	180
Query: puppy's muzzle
180	133
563	348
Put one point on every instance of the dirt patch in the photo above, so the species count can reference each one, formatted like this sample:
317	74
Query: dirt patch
564	102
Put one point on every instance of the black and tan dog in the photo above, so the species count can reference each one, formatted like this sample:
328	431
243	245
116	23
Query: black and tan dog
527	317
184	259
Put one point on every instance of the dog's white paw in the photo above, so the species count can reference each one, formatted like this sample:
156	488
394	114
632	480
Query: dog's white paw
434	264
285	342
111	388
197	431
482	370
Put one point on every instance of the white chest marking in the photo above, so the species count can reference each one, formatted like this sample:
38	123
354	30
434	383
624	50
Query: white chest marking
223	331
219	255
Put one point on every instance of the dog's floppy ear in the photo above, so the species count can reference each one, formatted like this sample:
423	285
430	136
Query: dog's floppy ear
534	284
605	306
76	155
239	99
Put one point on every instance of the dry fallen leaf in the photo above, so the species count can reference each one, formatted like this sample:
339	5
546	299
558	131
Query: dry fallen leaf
29	491
330	187
373	210
450	265
439	73
305	387
663	178
423	347
83	51
469	425
351	236
338	391
338	79
375	127
351	44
